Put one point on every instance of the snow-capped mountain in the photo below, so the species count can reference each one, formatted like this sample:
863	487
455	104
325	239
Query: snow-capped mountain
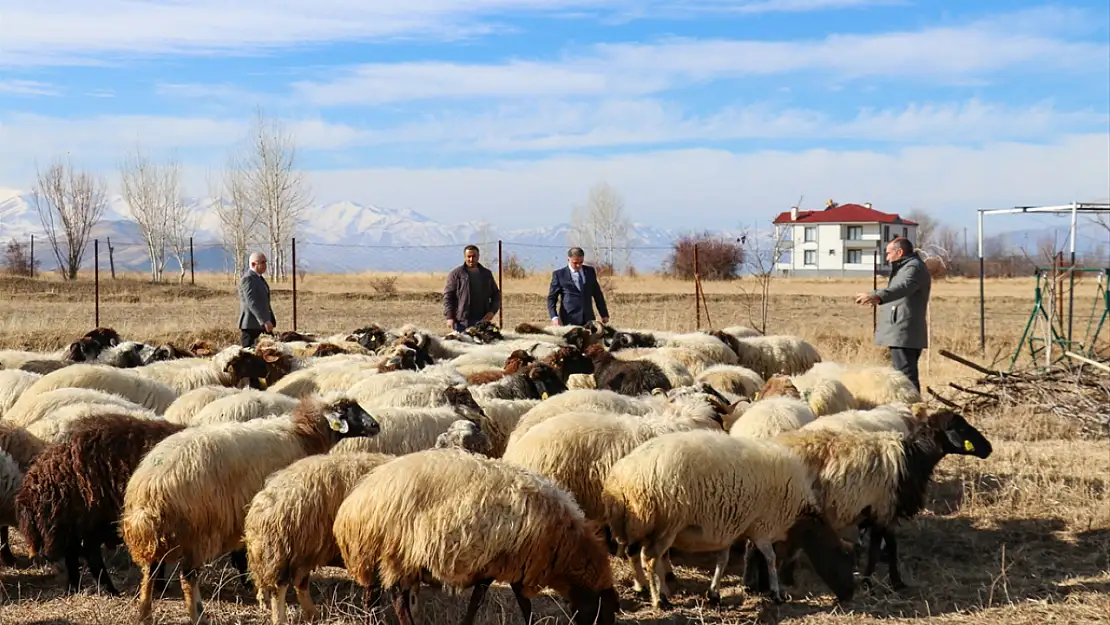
342	236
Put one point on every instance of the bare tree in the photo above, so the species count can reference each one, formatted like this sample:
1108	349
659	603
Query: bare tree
601	227
762	254
927	226
238	217
150	189
77	199
181	218
277	191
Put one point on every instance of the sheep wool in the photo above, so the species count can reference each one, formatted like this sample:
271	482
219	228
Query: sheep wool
468	518
12	384
30	409
187	499
190	403
825	396
244	405
871	385
768	417
57	426
284	527
900	418
10	479
584	400
733	379
22	446
403	430
123	382
322	378
727	487
768	355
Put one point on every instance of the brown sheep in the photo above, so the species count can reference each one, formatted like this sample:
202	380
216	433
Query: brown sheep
778	385
627	377
517	360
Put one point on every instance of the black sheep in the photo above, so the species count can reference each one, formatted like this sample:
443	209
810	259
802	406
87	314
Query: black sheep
627	377
71	497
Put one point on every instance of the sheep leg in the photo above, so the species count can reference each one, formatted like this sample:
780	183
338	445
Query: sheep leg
95	560
476	597
755	569
652	556
640	582
6	555
73	566
768	550
523	602
190	588
670	578
873	548
892	561
714	593
146	594
401	607
276	599
304	597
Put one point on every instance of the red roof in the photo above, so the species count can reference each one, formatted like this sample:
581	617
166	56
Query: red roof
844	213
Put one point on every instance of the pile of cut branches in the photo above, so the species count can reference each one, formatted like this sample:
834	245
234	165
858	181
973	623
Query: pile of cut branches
1075	389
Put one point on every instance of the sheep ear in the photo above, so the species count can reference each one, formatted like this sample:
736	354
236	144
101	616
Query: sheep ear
229	368
337	424
920	411
658	391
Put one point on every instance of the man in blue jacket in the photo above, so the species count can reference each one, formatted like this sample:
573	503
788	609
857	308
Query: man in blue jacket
576	284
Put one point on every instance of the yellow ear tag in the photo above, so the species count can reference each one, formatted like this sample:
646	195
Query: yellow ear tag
544	395
968	446
339	425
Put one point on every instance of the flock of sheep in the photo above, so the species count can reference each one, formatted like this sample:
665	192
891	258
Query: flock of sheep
530	458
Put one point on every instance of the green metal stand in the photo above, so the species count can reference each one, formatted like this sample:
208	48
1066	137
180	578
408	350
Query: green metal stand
1058	336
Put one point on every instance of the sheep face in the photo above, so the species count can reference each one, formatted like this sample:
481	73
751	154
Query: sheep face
84	349
579	337
594	608
956	436
485	332
832	560
201	348
130	354
169	351
599	331
278	364
327	349
418	342
247	366
517	360
545	380
460	397
348	419
404	357
779	385
464	434
371	337
570	360
630	340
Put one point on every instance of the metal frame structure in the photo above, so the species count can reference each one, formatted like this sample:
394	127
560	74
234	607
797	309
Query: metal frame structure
1075	208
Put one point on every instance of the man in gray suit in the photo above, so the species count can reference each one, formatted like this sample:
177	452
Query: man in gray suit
902	307
255	314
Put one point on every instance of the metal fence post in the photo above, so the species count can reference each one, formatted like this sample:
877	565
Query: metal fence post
96	282
501	285
294	263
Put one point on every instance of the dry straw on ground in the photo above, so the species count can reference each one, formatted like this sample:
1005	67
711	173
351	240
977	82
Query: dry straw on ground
1020	538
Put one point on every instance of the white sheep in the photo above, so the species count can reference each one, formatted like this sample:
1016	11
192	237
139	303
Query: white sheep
768	417
187	499
734	379
152	394
55	426
12	384
324	378
228	367
30	409
825	396
245	405
189	403
780	353
900	418
870	385
703	491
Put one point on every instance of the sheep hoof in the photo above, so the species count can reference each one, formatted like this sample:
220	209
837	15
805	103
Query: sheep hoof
670	578
714	599
663	604
778	597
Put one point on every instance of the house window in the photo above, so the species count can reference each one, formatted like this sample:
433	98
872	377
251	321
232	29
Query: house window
905	233
855	233
855	257
810	257
886	233
811	234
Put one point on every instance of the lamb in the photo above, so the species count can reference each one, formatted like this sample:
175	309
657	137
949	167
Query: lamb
576	449
768	417
768	355
628	377
229	367
730	488
870	385
30	409
282	527
877	478
12	384
70	500
219	468
146	392
189	403
506	524
733	379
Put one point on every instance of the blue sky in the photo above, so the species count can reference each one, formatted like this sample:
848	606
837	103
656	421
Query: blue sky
700	113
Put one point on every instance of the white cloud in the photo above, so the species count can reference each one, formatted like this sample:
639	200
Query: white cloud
951	54
27	87
76	31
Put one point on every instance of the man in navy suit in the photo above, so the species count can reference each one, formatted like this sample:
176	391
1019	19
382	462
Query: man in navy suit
577	284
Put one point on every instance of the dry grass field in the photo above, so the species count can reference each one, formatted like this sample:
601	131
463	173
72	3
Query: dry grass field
1022	537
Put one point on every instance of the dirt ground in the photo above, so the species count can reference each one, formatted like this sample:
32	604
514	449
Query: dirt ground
1021	537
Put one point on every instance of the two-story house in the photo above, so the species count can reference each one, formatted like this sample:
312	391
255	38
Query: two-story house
841	240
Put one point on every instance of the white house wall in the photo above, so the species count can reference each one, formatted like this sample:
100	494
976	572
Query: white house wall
834	237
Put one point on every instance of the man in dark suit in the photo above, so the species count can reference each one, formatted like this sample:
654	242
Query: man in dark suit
255	314
577	285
